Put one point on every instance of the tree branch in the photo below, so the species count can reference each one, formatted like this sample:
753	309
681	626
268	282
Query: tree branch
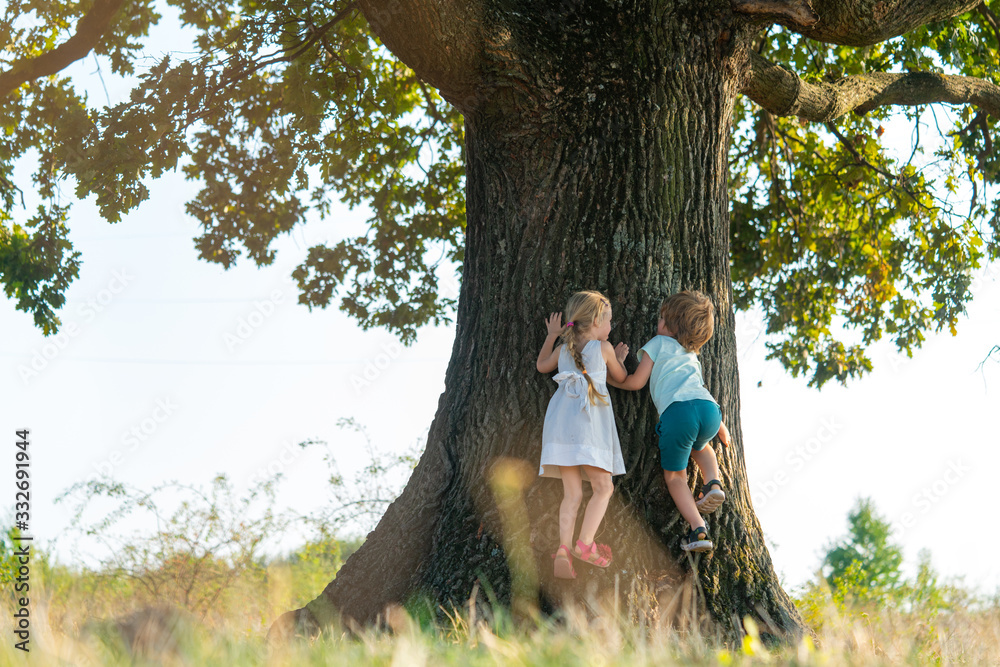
894	179
786	12
991	19
89	31
865	22
314	34
982	364
783	93
437	39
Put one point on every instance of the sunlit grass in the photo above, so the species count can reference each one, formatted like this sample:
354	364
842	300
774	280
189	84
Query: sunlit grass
191	603
88	625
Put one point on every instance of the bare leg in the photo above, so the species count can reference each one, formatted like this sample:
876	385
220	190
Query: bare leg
600	482
679	491
572	496
707	463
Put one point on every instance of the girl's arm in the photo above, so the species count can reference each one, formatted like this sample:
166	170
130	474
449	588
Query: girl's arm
613	357
548	358
636	380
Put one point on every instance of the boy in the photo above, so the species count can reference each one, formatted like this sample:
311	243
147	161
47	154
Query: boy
689	415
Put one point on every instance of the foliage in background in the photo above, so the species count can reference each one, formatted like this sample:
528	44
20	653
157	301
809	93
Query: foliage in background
862	575
202	544
278	109
209	548
865	565
298	577
355	505
8	561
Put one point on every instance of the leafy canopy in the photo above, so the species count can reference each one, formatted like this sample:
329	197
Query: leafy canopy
830	228
279	108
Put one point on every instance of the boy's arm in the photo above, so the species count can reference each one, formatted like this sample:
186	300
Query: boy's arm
548	358
724	434
636	380
613	358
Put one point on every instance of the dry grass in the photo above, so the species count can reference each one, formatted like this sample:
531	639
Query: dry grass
102	622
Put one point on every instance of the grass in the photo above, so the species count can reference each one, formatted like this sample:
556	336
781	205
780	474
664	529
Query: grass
171	599
80	618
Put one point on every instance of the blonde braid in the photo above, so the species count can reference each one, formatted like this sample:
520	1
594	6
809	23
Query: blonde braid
569	337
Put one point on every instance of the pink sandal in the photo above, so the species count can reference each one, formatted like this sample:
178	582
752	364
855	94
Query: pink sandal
564	564
594	554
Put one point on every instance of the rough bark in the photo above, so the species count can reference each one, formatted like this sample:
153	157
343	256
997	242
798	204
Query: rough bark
783	93
440	40
865	22
598	160
789	12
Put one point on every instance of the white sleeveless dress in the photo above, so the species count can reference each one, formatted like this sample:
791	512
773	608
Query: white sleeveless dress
576	432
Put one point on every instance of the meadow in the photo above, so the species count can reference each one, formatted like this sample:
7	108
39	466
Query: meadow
200	591
90	619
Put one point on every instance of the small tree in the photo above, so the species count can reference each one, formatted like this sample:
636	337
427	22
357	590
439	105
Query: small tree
926	593
865	565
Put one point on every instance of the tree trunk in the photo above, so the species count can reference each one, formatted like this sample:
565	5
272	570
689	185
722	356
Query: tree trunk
596	160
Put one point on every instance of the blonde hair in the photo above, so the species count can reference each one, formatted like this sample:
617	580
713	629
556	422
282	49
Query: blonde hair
690	315
583	311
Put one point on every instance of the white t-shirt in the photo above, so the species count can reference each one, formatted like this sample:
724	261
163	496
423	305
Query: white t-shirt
676	373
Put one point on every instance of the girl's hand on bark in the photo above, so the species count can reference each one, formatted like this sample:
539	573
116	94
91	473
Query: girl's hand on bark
554	324
621	351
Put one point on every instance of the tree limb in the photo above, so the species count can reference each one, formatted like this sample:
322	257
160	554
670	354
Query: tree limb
313	35
982	364
895	179
865	22
437	39
89	31
991	19
783	93
786	12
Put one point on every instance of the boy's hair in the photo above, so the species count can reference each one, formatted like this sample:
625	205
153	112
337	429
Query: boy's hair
690	315
584	310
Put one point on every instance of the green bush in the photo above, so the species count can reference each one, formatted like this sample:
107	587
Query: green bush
862	576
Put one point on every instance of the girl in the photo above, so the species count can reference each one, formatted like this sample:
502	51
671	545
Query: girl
579	438
689	414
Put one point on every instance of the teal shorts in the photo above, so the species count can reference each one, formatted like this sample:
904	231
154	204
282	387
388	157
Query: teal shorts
683	426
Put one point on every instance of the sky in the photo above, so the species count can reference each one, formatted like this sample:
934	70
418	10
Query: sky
172	368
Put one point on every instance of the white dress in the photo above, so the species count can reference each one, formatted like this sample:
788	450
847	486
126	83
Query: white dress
576	432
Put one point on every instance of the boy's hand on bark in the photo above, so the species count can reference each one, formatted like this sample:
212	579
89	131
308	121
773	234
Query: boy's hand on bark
724	434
